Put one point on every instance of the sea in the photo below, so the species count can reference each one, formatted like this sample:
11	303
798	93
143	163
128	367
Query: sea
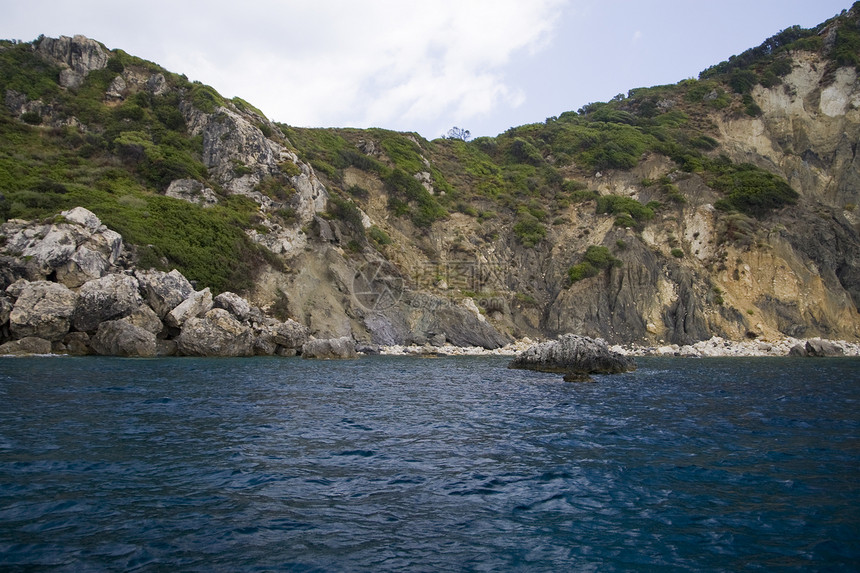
428	464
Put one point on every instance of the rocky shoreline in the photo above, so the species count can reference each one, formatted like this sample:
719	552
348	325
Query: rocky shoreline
714	347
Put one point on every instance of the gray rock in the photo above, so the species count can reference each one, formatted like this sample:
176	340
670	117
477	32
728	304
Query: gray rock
107	298
192	191
197	304
574	356
330	348
80	54
234	304
5	310
25	346
43	309
145	318
291	334
165	348
798	350
217	333
818	347
119	338
77	343
164	291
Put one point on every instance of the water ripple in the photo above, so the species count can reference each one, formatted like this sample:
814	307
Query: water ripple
392	464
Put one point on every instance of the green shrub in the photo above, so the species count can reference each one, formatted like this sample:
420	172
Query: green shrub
346	211
529	230
750	189
379	236
31	118
678	253
630	211
595	259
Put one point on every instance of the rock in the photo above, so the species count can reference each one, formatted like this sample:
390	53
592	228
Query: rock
197	304
76	248
26	345
107	298
119	338
77	56
43	309
291	334
5	310
798	350
77	343
84	218
145	318
234	304
818	347
217	333
330	348
192	191
165	348
574	356
164	291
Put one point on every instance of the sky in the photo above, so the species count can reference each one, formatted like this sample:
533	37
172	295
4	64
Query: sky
422	65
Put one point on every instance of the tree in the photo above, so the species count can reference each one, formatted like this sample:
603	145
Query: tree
457	133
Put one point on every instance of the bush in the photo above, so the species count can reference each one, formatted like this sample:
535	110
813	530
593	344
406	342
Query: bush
31	118
630	211
595	259
529	230
749	189
379	236
677	253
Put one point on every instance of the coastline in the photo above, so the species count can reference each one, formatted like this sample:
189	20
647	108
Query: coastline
713	347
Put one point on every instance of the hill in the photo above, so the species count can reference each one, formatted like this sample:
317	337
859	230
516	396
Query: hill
724	205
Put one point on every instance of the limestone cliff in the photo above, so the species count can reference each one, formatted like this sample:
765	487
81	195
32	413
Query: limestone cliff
674	214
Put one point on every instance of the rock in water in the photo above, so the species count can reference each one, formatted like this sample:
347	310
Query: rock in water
574	356
330	348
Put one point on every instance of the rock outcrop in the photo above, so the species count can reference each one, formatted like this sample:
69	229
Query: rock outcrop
816	347
330	348
121	338
574	356
44	310
124	312
217	333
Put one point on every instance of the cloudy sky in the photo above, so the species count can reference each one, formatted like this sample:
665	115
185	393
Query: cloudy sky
422	65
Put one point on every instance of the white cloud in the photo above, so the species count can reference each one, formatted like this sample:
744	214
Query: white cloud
380	63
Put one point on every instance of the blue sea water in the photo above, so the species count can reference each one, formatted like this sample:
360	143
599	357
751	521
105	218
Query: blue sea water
411	464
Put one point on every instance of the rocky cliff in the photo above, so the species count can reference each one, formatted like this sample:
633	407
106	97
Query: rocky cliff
711	207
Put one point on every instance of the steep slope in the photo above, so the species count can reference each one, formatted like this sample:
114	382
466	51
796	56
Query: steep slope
719	206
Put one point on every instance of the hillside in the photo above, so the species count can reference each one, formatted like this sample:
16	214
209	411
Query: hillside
720	206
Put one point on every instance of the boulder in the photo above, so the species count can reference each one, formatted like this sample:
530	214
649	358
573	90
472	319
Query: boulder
798	350
76	247
43	309
197	304
290	334
574	356
192	191
817	347
106	298
234	304
217	333
164	291
145	318
119	338
77	343
5	310
330	348
25	346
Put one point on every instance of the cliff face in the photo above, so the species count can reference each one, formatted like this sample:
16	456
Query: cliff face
477	244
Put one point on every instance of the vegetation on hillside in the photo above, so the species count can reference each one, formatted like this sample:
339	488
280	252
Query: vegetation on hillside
80	147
